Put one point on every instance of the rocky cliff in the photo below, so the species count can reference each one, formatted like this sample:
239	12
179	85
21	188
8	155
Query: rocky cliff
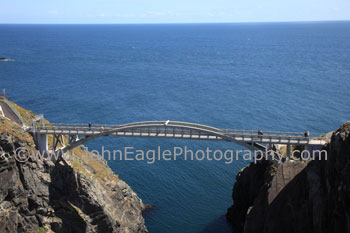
296	196
43	196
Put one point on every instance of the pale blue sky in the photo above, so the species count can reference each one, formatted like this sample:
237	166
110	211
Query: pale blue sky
175	11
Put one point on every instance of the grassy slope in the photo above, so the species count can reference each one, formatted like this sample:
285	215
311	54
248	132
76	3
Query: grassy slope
98	169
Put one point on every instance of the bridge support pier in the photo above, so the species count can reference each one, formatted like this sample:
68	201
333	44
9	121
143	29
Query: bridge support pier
40	139
288	151
42	144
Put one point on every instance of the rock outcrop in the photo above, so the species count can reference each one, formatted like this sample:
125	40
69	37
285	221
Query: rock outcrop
296	196
5	59
67	196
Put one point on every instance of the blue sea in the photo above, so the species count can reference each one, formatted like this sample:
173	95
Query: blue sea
268	76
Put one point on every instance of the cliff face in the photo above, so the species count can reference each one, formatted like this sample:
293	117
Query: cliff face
41	196
296	196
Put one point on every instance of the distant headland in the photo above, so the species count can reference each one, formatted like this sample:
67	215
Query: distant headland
5	59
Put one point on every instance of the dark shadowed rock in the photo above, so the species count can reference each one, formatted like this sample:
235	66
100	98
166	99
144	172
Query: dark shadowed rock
249	183
296	197
61	197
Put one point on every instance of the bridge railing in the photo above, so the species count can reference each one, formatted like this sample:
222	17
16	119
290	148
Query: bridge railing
81	125
235	131
177	129
181	124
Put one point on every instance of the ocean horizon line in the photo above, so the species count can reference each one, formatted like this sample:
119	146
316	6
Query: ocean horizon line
188	23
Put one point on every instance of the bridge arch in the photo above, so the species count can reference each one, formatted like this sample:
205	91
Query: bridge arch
160	128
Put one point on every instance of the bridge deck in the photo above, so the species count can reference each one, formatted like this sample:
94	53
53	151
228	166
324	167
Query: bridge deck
180	130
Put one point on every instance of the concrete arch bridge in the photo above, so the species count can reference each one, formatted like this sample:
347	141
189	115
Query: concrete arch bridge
79	134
